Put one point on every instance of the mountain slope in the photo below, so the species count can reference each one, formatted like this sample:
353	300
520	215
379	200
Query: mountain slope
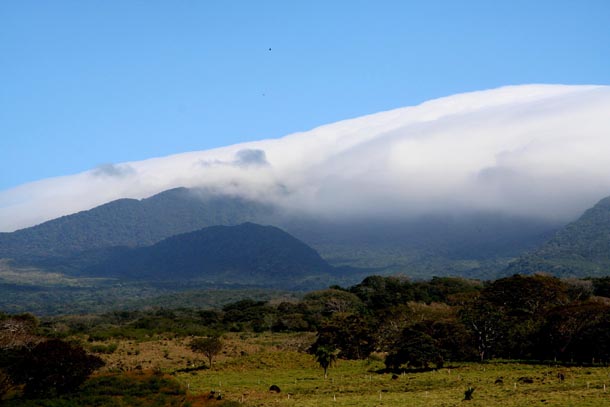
130	222
581	249
472	245
247	254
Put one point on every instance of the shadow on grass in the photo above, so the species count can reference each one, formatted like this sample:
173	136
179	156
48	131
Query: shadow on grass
192	369
407	370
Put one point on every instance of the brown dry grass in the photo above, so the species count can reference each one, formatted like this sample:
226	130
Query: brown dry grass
171	354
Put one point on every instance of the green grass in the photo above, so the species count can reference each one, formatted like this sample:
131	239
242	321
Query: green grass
247	379
250	363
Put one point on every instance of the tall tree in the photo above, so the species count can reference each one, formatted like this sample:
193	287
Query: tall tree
210	347
487	324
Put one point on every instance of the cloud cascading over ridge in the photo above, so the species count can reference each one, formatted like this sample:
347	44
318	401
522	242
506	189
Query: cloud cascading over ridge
533	150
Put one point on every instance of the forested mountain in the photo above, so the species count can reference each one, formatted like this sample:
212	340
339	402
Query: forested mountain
474	245
246	254
435	189
130	222
580	249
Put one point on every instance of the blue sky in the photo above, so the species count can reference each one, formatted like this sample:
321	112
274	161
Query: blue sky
89	83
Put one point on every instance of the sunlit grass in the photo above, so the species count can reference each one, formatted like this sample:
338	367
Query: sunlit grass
358	383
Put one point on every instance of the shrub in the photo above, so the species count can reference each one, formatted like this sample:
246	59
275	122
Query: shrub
52	367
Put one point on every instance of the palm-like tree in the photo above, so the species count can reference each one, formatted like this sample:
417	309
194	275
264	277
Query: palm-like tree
325	356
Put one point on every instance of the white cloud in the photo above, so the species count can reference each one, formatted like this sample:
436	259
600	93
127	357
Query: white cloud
535	150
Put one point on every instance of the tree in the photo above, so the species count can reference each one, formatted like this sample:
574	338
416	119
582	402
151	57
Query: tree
352	335
382	292
52	367
487	324
568	331
523	303
17	332
210	347
326	356
331	301
527	296
451	338
415	348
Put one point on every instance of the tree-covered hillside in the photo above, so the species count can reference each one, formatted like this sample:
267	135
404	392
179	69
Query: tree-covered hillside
580	249
477	245
247	254
130	222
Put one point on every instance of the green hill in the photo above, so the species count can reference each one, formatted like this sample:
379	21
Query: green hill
580	249
247	254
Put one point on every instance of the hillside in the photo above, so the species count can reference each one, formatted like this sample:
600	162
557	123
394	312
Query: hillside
580	249
130	222
473	245
246	254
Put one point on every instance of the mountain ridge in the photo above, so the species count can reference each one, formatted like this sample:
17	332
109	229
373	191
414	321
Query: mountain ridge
129	222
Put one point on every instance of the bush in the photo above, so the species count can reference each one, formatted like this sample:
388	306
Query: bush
416	349
52	367
104	349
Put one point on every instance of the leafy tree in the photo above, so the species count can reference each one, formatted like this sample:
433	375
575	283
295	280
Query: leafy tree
382	292
352	335
510	312
566	329
326	356
593	342
256	314
332	301
389	323
447	289
487	324
52	367
210	347
451	338
291	322
601	286
527	296
415	348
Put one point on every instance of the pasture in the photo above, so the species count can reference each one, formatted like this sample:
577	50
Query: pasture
251	363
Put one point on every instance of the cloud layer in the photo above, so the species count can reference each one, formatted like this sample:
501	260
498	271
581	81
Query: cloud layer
534	150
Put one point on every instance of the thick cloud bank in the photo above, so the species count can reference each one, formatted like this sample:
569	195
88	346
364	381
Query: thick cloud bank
534	150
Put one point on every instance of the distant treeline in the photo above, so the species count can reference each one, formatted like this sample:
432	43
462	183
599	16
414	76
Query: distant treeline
416	324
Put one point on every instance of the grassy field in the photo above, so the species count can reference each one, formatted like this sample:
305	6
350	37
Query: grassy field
251	363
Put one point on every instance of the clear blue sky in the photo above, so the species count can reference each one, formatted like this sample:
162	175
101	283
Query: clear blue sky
85	83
